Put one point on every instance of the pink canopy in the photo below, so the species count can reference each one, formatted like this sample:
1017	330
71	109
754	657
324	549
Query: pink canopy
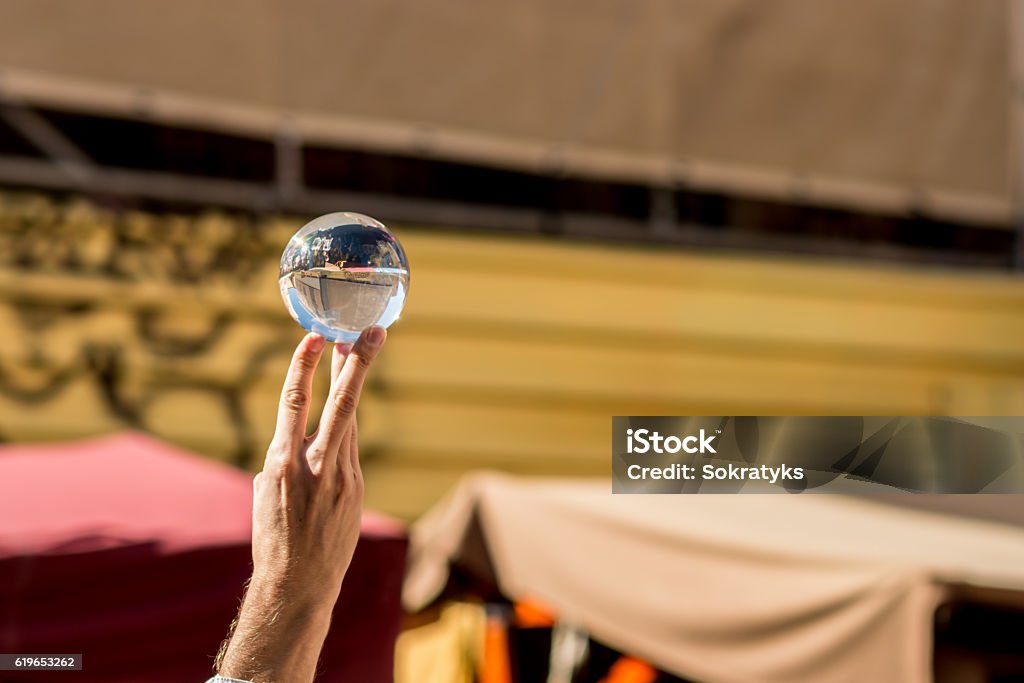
134	553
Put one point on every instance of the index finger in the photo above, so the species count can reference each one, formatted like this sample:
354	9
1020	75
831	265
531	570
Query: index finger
296	394
340	409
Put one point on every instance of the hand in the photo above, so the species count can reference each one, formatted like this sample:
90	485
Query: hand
307	507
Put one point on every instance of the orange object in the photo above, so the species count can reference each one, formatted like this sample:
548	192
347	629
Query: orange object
532	614
496	667
631	670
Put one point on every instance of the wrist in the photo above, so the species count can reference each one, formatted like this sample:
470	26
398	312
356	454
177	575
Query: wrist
278	635
287	600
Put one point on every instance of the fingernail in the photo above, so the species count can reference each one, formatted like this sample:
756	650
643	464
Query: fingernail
343	348
375	336
316	343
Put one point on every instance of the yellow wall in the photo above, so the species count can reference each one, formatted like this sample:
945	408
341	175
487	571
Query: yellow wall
513	353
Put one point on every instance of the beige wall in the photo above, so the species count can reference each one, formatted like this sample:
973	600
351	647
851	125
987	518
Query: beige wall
513	353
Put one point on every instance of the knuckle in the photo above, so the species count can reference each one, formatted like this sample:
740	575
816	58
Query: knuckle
275	457
363	360
350	487
284	467
305	361
274	470
278	464
296	398
346	401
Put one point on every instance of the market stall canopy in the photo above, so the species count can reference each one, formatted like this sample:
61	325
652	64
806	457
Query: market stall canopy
134	554
726	589
874	104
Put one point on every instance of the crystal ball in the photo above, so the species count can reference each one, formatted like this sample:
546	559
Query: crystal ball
344	272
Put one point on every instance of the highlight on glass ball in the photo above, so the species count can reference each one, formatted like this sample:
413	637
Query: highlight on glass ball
344	272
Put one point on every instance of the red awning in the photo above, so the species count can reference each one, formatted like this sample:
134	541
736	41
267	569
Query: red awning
134	553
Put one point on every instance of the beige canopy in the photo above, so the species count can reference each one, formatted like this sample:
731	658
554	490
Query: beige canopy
877	104
726	589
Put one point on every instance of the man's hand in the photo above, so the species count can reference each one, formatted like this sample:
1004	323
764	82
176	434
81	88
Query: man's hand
307	508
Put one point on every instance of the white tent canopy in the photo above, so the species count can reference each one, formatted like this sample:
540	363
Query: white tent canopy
724	589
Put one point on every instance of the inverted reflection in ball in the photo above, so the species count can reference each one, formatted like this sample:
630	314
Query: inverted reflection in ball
344	272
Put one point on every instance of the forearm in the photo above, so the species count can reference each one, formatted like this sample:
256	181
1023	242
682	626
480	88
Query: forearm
276	640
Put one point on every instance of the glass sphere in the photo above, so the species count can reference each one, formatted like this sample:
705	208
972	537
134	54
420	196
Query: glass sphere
344	272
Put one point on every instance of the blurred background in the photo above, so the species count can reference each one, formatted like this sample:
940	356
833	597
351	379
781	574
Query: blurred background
616	207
